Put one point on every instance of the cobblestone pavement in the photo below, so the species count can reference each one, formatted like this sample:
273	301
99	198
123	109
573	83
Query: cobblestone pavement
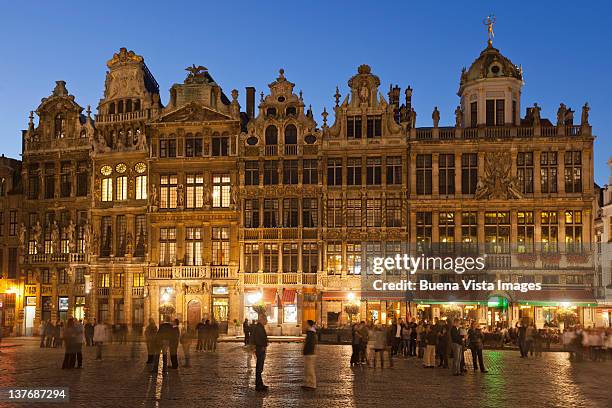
224	379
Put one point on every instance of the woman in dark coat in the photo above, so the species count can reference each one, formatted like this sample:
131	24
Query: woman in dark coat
70	345
150	333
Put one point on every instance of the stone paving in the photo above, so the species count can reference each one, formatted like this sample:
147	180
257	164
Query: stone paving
224	379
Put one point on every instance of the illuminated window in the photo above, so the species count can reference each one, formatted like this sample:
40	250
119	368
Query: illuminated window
193	246
573	231
373	212
103	280
353	258
141	187
107	189
334	258
167	187
119	280
525	228
573	172
195	190
550	231
221	191
270	257
121	188
290	257
446	231
497	231
524	171
138	279
548	172
310	258
167	246
251	258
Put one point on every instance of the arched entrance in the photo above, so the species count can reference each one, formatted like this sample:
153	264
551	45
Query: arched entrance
194	312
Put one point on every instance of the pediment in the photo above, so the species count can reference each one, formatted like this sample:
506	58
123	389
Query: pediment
193	113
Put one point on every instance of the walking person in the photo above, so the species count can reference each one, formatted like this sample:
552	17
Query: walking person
310	359
200	330
260	340
431	341
43	333
457	347
214	335
522	334
413	338
207	335
363	344
475	343
150	333
69	343
246	331
355	344
174	344
100	337
186	338
89	329
443	343
79	339
398	329
162	341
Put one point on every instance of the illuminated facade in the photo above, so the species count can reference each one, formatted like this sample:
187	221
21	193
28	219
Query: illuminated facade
202	211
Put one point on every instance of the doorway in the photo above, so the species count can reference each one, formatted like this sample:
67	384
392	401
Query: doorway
221	312
29	315
194	313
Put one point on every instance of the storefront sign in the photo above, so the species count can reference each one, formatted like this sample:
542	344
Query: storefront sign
220	290
63	304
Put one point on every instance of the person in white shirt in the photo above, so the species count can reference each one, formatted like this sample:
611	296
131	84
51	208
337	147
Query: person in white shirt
100	337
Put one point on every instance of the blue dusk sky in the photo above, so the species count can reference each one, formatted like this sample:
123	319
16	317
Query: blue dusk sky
564	47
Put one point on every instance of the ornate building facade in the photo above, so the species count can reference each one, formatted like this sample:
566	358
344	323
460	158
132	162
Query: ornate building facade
199	210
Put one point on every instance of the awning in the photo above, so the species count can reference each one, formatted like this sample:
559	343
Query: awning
269	295
289	296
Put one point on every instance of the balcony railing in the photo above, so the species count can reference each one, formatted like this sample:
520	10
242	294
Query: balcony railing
284	278
193	272
291	150
498	132
103	291
55	258
122	117
138	291
271	150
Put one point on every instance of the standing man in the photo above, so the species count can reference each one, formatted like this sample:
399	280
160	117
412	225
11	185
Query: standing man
413	338
163	339
100	337
150	333
397	340
475	343
200	330
522	339
174	343
260	340
310	375
89	329
457	347
78	342
246	331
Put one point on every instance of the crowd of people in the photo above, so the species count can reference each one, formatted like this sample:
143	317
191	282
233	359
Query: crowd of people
593	344
435	343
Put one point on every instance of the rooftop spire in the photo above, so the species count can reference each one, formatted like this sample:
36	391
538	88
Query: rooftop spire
489	21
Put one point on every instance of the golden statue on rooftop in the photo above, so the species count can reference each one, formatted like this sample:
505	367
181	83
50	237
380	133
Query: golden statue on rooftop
489	22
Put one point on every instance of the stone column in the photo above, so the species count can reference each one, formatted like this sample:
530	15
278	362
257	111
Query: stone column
435	174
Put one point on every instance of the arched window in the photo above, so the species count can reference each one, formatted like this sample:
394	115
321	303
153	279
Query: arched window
111	108
271	112
291	111
59	126
128	105
271	135
120	107
290	135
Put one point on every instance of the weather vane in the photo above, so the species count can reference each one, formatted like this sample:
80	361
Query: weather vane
489	22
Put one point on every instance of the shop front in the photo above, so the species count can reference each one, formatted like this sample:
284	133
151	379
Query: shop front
221	307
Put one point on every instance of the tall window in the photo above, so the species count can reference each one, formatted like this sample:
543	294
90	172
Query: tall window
374	212
373	171
394	170
353	127
194	188
525	240
334	213
167	148
251	173
446	231
50	180
12	223
270	213
495	112
33	185
550	231
573	172
290	257
106	234
334	258
353	169
141	187
573	231
167	246
270	172
310	258
59	128
121	235
446	181
107	189
65	180
353	212
524	169
167	190
497	231
221	191
251	258
423	174
548	172
353	258
270	258
103	280
290	212
271	136
334	172
374	126
423	231
193	145
474	114
119	280
251	213
138	279
394	212
310	207
193	246
290	172
220	146
310	174
82	179
469	231
140	227
469	173
121	188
